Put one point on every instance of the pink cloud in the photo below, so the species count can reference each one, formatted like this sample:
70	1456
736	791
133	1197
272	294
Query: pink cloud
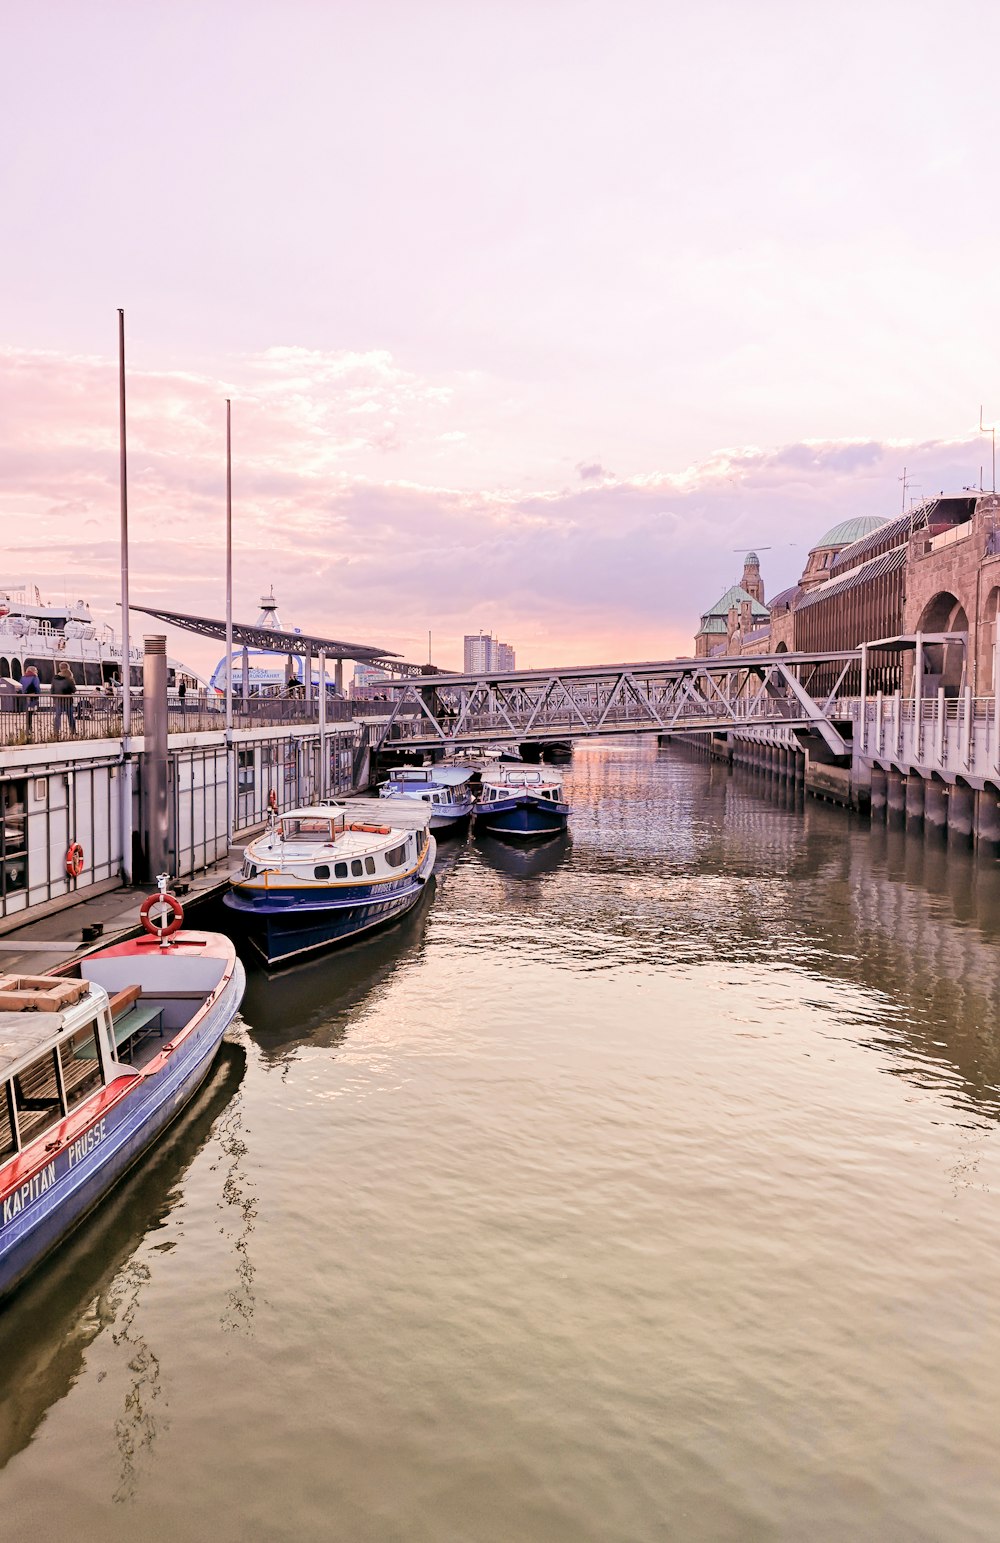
333	505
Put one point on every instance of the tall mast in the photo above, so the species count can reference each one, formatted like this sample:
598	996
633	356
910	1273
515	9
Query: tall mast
126	654
229	566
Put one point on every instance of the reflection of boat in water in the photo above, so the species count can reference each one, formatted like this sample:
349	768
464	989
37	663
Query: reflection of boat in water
327	873
45	1329
315	1000
445	788
94	1069
524	862
521	803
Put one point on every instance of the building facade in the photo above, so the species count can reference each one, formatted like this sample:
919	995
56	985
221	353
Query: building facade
933	569
484	654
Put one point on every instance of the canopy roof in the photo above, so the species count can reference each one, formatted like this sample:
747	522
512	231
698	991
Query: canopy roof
269	639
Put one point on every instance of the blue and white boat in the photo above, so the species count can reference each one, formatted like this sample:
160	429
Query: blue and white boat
520	802
329	873
445	788
93	1069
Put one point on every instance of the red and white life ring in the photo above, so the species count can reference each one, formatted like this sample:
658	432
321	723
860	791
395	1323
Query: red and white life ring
161	903
272	801
74	860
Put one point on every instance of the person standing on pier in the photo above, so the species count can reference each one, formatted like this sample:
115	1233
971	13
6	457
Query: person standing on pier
63	692
30	691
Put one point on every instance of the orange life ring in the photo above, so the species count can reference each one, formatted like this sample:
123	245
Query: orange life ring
74	860
272	801
172	904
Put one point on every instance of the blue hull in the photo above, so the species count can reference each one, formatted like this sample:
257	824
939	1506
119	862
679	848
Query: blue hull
36	1218
522	815
287	925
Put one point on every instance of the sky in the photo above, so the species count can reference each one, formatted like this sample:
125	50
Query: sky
531	314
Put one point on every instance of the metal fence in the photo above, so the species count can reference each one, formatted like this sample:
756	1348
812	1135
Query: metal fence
46	720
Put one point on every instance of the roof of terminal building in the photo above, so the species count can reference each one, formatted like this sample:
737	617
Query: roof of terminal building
714	619
786	599
268	639
884	562
849	531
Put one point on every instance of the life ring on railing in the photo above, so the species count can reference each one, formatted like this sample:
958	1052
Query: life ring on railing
272	801
161	900
74	860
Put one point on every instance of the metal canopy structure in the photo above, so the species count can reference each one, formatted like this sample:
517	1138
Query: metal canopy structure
270	639
726	692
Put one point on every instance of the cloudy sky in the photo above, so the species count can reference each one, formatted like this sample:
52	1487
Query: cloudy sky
532	313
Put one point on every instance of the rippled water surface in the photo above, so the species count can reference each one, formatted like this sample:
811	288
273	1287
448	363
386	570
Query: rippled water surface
640	1187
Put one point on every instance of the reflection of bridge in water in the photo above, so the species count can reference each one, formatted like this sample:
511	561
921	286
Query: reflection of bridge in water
667	697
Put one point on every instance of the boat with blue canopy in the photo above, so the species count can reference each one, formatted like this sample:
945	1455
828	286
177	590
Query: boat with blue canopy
445	788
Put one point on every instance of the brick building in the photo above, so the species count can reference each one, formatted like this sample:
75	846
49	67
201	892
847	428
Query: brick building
934	569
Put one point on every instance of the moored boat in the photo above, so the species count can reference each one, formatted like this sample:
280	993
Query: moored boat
93	1068
445	788
515	802
325	874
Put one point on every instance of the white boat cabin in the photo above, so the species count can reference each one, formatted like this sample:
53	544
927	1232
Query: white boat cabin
508	781
62	1039
338	843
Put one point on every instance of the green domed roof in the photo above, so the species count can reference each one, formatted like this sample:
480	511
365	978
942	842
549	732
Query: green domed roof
714	619
849	531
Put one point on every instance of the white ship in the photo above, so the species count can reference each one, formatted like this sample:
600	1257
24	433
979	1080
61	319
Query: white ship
34	632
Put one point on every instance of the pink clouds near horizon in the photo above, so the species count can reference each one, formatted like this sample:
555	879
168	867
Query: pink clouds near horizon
343	501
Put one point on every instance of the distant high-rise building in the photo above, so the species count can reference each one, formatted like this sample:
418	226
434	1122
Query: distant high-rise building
368	679
484	654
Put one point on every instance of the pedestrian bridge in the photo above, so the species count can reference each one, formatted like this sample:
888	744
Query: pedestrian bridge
668	697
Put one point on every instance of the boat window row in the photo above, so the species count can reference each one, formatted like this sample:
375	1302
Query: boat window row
340	870
48	1088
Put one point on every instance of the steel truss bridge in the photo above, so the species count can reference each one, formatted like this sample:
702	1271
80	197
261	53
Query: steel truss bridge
672	697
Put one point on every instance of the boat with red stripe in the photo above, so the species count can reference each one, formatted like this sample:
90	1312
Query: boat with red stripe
95	1062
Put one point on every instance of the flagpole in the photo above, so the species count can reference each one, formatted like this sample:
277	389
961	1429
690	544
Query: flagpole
229	565
125	811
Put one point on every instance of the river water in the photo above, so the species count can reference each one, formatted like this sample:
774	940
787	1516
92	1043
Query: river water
643	1187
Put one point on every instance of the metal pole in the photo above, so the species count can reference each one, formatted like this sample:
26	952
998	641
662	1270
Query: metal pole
863	725
123	479
229	566
125	793
323	757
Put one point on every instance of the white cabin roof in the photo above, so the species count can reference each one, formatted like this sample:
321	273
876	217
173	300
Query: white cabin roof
24	1035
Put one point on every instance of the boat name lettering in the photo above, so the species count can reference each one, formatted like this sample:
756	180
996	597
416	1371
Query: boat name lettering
29	1191
79	1149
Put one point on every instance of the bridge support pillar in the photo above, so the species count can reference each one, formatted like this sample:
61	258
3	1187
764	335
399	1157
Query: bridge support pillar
988	821
961	801
879	791
895	798
935	810
914	801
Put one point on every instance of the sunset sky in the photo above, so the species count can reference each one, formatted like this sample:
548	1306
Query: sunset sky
531	313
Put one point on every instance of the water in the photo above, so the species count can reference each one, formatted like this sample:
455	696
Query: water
640	1188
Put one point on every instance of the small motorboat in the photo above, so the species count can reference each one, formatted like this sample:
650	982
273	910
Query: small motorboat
445	788
95	1063
515	802
327	873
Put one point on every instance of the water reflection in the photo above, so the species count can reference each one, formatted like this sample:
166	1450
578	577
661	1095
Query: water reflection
316	1001
523	860
93	1283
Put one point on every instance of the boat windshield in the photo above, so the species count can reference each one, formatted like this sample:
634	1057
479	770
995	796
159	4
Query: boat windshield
312	827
